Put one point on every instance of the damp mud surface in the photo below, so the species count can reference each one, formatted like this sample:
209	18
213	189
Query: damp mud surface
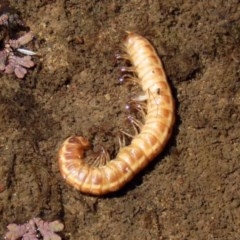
191	190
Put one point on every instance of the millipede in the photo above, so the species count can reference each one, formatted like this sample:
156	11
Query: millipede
157	105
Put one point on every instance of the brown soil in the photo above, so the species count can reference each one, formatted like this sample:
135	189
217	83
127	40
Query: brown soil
192	190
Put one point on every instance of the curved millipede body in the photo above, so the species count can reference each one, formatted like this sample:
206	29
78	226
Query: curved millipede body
145	145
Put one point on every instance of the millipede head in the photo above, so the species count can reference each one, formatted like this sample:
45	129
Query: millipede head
80	141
